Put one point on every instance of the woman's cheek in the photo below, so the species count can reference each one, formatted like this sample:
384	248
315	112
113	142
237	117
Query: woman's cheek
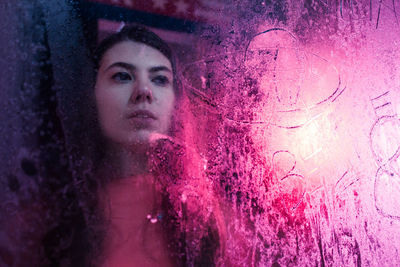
109	111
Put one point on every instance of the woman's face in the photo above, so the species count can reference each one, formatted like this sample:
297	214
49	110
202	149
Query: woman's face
134	93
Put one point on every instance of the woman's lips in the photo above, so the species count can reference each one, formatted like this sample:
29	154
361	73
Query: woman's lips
141	114
141	119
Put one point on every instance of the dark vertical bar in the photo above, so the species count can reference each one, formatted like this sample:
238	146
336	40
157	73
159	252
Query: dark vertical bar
89	20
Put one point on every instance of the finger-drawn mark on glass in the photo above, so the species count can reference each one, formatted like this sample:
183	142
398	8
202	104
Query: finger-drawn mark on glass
293	191
301	103
292	184
282	68
264	32
266	64
385	147
279	159
312	73
387	193
315	190
385	140
379	13
308	150
341	178
381	5
381	105
344	183
379	96
334	95
338	90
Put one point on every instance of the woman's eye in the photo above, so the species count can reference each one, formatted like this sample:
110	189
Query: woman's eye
160	80
122	77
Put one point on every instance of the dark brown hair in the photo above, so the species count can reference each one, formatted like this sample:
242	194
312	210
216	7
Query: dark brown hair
138	34
133	33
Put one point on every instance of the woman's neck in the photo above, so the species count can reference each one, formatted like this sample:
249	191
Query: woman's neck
125	162
128	206
129	199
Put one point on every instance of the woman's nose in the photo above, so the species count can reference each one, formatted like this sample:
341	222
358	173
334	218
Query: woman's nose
141	92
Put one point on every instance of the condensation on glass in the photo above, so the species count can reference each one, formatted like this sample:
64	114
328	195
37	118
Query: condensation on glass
290	110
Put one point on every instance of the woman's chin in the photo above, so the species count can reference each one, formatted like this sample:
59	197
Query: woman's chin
145	138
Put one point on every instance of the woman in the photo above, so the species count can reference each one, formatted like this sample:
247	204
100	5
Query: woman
144	203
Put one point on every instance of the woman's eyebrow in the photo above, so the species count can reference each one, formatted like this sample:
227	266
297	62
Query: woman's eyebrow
133	67
123	65
159	68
